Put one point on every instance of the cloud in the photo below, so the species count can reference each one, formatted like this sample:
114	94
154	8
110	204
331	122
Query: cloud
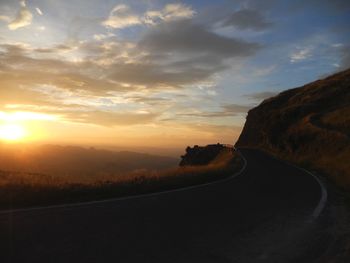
340	5
259	96
99	37
334	6
65	89
121	17
186	37
41	28
38	10
116	66
264	71
55	49
182	53
5	18
19	69
155	75
171	12
108	118
149	100
300	55
173	56
247	19
24	18
236	108
79	114
194	56
229	110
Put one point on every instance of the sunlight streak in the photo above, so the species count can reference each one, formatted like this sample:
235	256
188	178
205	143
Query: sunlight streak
25	116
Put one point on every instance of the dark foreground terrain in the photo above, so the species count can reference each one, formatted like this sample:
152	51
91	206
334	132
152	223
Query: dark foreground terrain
23	190
309	125
271	212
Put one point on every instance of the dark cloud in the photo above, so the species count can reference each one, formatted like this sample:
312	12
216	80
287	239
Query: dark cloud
55	49
186	37
289	7
236	108
259	96
260	5
331	6
247	19
182	53
228	110
155	75
343	5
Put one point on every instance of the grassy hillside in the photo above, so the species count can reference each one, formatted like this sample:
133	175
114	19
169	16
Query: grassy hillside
309	125
18	189
77	164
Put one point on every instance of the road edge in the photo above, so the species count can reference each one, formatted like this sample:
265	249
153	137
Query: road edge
80	204
324	193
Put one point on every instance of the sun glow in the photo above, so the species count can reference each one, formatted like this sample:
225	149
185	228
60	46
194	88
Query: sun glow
12	132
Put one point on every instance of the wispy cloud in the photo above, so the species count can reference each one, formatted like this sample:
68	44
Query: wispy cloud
121	16
228	110
23	18
38	10
259	96
170	12
247	19
5	18
300	55
100	37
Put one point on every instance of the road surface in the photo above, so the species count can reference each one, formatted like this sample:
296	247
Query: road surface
263	215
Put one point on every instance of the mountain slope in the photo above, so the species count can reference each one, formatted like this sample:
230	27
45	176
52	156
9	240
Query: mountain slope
78	164
309	125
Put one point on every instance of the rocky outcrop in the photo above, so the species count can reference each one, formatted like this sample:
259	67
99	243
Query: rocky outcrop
309	125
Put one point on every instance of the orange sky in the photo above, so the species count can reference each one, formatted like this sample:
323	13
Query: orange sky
50	128
156	73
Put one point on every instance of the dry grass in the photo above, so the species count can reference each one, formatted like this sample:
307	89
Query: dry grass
309	125
23	189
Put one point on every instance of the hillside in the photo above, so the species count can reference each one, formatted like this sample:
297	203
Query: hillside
309	125
22	188
78	164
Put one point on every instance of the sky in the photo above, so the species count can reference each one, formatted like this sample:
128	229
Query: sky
157	73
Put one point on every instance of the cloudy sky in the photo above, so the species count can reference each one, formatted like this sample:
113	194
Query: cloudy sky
158	73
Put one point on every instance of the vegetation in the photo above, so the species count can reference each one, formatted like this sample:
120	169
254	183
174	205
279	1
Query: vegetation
77	164
29	189
201	155
309	125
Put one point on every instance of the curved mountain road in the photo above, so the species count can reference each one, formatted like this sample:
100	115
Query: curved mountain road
262	215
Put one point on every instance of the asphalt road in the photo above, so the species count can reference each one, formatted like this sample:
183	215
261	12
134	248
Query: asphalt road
262	215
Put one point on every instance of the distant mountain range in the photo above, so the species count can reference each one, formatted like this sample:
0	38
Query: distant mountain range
309	125
77	163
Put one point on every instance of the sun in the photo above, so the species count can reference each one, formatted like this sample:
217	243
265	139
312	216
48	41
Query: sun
12	132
